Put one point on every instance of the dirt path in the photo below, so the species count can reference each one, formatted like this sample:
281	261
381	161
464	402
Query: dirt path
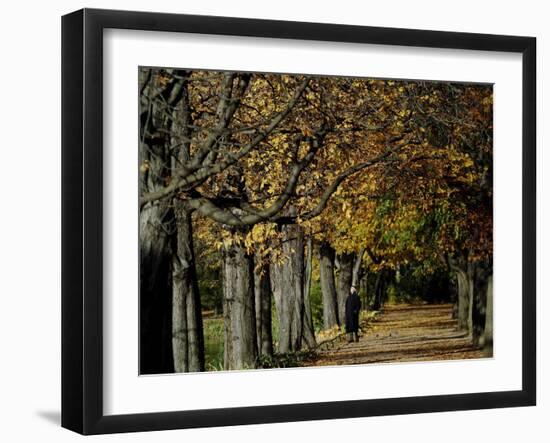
403	333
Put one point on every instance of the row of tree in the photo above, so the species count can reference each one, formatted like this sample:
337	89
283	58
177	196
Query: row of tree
271	170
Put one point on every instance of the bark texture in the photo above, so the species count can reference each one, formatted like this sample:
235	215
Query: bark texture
465	290
309	331
358	269
364	290
187	330
473	279
239	312
328	286
287	279
156	222
482	272
262	291
488	333
345	276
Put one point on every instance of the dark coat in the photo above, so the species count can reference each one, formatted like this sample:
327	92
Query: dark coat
353	306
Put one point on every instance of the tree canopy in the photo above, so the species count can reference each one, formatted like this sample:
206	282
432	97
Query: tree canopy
384	172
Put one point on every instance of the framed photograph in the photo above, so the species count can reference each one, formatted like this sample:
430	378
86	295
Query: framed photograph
269	221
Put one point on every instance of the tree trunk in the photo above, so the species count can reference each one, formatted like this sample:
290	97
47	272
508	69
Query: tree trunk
239	312
466	272
287	280
155	293
364	290
357	274
309	332
482	270
345	277
156	224
379	290
488	333
187	330
262	290
377	297
453	295
328	287
465	294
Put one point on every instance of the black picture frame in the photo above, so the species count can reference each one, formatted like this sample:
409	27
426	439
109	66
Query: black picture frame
82	219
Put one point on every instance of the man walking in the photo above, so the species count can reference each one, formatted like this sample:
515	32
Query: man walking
353	306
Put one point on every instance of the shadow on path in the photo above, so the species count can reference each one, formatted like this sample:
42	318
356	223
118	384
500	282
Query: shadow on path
405	333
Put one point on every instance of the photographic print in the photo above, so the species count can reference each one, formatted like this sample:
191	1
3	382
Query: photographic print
290	220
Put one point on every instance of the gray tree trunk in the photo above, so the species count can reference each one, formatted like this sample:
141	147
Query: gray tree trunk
357	267
287	279
155	227
328	286
488	333
309	332
156	223
465	292
345	276
187	330
471	290
453	291
239	312
364	290
474	288
482	273
262	291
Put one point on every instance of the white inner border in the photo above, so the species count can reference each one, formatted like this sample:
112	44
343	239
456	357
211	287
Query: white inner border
126	392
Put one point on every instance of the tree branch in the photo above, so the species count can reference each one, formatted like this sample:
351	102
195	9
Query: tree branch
321	205
203	173
227	216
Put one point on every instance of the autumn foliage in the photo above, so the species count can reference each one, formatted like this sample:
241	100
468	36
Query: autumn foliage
392	173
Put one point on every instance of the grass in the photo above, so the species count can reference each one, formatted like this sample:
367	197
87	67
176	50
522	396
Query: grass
213	343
